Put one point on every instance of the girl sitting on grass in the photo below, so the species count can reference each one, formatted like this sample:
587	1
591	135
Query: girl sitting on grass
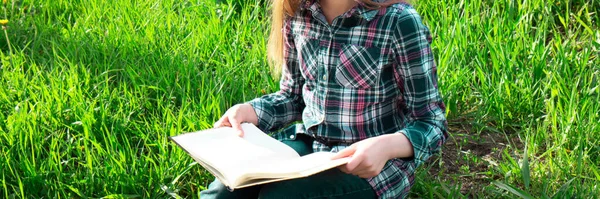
361	77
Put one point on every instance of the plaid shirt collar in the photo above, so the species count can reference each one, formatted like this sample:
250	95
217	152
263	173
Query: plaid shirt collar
360	10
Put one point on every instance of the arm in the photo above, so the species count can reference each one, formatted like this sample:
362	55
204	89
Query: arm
276	110
416	77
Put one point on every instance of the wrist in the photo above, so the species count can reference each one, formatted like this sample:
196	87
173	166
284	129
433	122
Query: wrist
250	113
398	144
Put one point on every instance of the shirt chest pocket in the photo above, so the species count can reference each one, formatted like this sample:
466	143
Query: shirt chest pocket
359	67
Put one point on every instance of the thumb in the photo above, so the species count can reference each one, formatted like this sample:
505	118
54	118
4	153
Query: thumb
237	126
345	152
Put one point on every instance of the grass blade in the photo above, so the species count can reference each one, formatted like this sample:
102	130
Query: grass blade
525	167
513	190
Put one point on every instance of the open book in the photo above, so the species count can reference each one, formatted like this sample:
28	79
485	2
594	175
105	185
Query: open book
253	159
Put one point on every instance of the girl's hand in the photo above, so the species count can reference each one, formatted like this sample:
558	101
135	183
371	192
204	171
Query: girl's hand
370	155
236	115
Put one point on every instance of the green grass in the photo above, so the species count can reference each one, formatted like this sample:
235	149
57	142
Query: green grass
90	91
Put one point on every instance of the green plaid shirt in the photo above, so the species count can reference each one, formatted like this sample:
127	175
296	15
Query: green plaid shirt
369	73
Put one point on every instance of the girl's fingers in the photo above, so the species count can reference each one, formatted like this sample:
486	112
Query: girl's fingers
343	169
347	152
363	173
354	162
367	173
219	123
359	171
344	152
223	121
236	126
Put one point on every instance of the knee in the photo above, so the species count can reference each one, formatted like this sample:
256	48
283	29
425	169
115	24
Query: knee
215	190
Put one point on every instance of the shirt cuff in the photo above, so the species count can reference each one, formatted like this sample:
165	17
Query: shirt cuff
417	140
263	113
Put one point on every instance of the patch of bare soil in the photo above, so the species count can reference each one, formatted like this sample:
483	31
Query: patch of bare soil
470	160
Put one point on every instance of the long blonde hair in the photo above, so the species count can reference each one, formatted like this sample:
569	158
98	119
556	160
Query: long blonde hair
285	8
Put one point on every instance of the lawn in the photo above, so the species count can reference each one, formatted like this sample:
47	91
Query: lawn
91	90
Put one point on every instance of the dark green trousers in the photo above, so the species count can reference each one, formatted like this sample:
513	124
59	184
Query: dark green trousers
332	183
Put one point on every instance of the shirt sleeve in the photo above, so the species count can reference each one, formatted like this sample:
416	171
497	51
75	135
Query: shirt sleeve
415	73
277	110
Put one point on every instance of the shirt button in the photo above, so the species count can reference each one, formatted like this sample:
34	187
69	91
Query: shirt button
324	77
292	136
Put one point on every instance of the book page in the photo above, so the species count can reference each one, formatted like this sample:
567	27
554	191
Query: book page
254	135
223	150
273	171
293	167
